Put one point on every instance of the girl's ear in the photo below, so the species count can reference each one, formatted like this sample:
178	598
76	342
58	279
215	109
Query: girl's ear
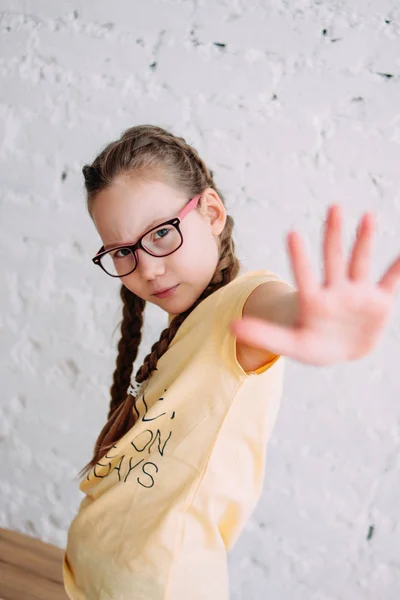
214	210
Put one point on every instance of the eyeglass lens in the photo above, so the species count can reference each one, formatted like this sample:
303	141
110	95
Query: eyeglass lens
159	242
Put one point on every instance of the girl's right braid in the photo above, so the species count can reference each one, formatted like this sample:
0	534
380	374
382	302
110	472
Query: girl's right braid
226	270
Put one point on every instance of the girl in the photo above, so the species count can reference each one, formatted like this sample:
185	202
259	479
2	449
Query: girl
178	467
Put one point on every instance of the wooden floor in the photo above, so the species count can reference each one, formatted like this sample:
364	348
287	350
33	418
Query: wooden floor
29	568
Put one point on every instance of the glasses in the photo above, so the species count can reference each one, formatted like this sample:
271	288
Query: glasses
162	240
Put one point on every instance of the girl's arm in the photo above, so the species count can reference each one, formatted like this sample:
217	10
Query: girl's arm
273	301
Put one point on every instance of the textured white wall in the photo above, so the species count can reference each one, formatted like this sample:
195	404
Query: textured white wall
294	105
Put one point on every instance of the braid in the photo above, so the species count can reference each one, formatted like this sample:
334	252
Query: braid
227	268
120	414
128	346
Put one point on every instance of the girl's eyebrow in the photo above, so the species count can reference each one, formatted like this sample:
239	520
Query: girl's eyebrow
152	224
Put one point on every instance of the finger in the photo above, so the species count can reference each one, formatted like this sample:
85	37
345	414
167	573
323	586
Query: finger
391	278
332	246
301	267
360	260
261	334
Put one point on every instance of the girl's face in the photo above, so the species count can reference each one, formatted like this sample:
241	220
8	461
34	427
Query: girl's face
126	210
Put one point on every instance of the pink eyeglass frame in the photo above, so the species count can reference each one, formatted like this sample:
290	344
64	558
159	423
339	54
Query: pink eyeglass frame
175	221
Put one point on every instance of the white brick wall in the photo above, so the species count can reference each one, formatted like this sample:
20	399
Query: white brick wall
290	118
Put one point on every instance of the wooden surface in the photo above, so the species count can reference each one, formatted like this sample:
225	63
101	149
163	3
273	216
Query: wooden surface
29	568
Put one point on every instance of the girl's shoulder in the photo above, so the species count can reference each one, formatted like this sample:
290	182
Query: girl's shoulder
252	277
229	307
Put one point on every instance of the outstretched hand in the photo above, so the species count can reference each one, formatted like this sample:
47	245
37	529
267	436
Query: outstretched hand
340	320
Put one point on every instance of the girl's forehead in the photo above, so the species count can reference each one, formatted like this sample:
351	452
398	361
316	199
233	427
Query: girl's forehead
125	210
139	195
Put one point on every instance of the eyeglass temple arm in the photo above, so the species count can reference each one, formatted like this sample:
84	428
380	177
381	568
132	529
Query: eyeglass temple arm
189	206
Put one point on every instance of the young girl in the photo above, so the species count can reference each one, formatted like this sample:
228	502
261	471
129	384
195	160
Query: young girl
178	468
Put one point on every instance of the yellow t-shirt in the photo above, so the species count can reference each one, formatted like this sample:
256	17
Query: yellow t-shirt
165	504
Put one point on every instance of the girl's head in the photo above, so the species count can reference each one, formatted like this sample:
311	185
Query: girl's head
133	205
136	183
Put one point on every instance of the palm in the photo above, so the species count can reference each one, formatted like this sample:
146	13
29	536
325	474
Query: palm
336	326
343	318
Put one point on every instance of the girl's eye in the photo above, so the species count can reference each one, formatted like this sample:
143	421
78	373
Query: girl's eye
163	229
115	254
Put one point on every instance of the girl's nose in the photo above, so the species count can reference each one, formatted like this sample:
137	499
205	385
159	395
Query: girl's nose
149	266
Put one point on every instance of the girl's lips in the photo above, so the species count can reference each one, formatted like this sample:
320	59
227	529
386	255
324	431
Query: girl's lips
167	292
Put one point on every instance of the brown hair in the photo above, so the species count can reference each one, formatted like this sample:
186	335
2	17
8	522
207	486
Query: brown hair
147	150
